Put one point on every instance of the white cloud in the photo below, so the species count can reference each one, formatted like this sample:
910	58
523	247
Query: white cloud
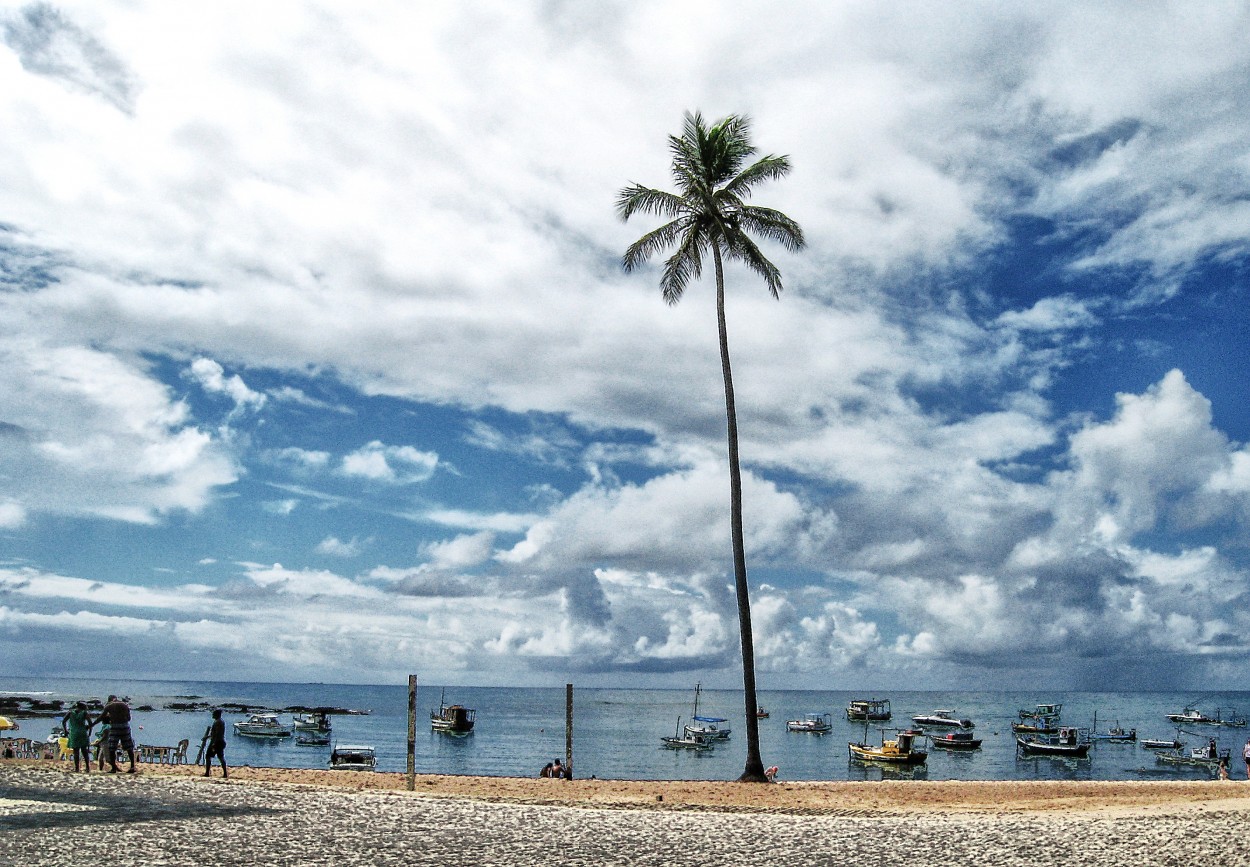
378	462
212	378
335	547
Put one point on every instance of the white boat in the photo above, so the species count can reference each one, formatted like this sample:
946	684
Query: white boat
353	757
313	721
868	710
684	741
815	723
942	719
710	727
263	725
312	739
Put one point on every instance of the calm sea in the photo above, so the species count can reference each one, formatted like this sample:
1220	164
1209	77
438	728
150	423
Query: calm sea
617	731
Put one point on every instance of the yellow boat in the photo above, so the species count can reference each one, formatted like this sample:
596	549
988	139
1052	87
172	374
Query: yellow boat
899	751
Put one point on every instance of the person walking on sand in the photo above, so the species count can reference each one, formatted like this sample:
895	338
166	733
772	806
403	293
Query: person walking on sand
77	724
215	735
118	713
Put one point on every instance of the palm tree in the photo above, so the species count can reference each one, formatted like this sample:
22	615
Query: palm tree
709	214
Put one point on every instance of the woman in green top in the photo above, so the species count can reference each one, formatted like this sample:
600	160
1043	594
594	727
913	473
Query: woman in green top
77	724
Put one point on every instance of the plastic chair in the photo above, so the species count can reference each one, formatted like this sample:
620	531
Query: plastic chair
64	752
179	756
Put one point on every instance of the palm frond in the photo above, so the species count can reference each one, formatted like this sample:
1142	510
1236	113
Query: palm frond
653	242
636	198
773	225
684	265
745	250
770	168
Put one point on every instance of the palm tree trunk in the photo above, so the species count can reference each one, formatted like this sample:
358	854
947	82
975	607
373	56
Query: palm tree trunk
754	772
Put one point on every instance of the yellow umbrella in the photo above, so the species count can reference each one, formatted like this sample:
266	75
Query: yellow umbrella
6	724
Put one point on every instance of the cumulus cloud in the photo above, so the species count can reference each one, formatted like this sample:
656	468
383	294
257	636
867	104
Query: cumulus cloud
212	378
393	464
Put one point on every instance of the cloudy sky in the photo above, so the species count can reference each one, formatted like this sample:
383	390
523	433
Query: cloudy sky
317	361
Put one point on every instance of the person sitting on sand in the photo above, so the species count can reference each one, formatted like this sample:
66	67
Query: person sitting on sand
546	771
77	724
557	770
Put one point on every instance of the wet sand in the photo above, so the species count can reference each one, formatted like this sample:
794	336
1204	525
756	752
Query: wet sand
277	816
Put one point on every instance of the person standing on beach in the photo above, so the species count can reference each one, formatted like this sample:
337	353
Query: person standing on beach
215	735
1245	754
118	713
77	724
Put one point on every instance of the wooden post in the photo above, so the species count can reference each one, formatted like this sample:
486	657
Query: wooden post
412	732
568	731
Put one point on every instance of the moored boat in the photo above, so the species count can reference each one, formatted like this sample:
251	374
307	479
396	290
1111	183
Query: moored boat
959	740
1208	755
761	712
312	739
1068	743
1161	743
452	719
353	757
1042	712
899	751
710	727
813	723
684	741
941	719
263	725
1116	734
868	710
1041	727
313	721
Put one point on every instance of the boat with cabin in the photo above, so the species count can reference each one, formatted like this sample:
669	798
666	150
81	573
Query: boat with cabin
263	725
1193	716
1070	742
812	723
868	710
682	740
313	721
901	750
1207	755
353	757
1042	712
452	719
710	727
955	740
942	719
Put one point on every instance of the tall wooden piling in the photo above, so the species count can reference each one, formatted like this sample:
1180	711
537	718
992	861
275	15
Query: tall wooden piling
568	731
412	732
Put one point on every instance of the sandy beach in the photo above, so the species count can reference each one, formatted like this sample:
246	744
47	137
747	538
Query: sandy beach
275	816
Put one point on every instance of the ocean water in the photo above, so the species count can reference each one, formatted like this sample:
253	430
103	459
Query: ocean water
617	732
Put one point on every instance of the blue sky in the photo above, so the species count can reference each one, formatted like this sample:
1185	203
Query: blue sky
318	362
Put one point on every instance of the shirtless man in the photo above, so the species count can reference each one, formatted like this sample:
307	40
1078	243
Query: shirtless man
117	712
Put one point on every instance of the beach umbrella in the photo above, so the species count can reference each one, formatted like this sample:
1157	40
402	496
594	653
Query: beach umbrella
6	724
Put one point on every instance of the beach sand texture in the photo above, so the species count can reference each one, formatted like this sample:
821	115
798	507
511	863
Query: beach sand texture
280	817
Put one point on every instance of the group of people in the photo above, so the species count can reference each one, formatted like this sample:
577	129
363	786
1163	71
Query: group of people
114	735
557	770
114	722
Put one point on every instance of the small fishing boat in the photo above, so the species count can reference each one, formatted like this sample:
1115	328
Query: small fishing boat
452	719
353	757
961	740
813	723
1068	743
263	725
1116	734
684	741
1208	755
761	712
1161	743
312	739
941	719
313	721
1192	716
1042	712
1041	727
710	727
899	751
868	710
